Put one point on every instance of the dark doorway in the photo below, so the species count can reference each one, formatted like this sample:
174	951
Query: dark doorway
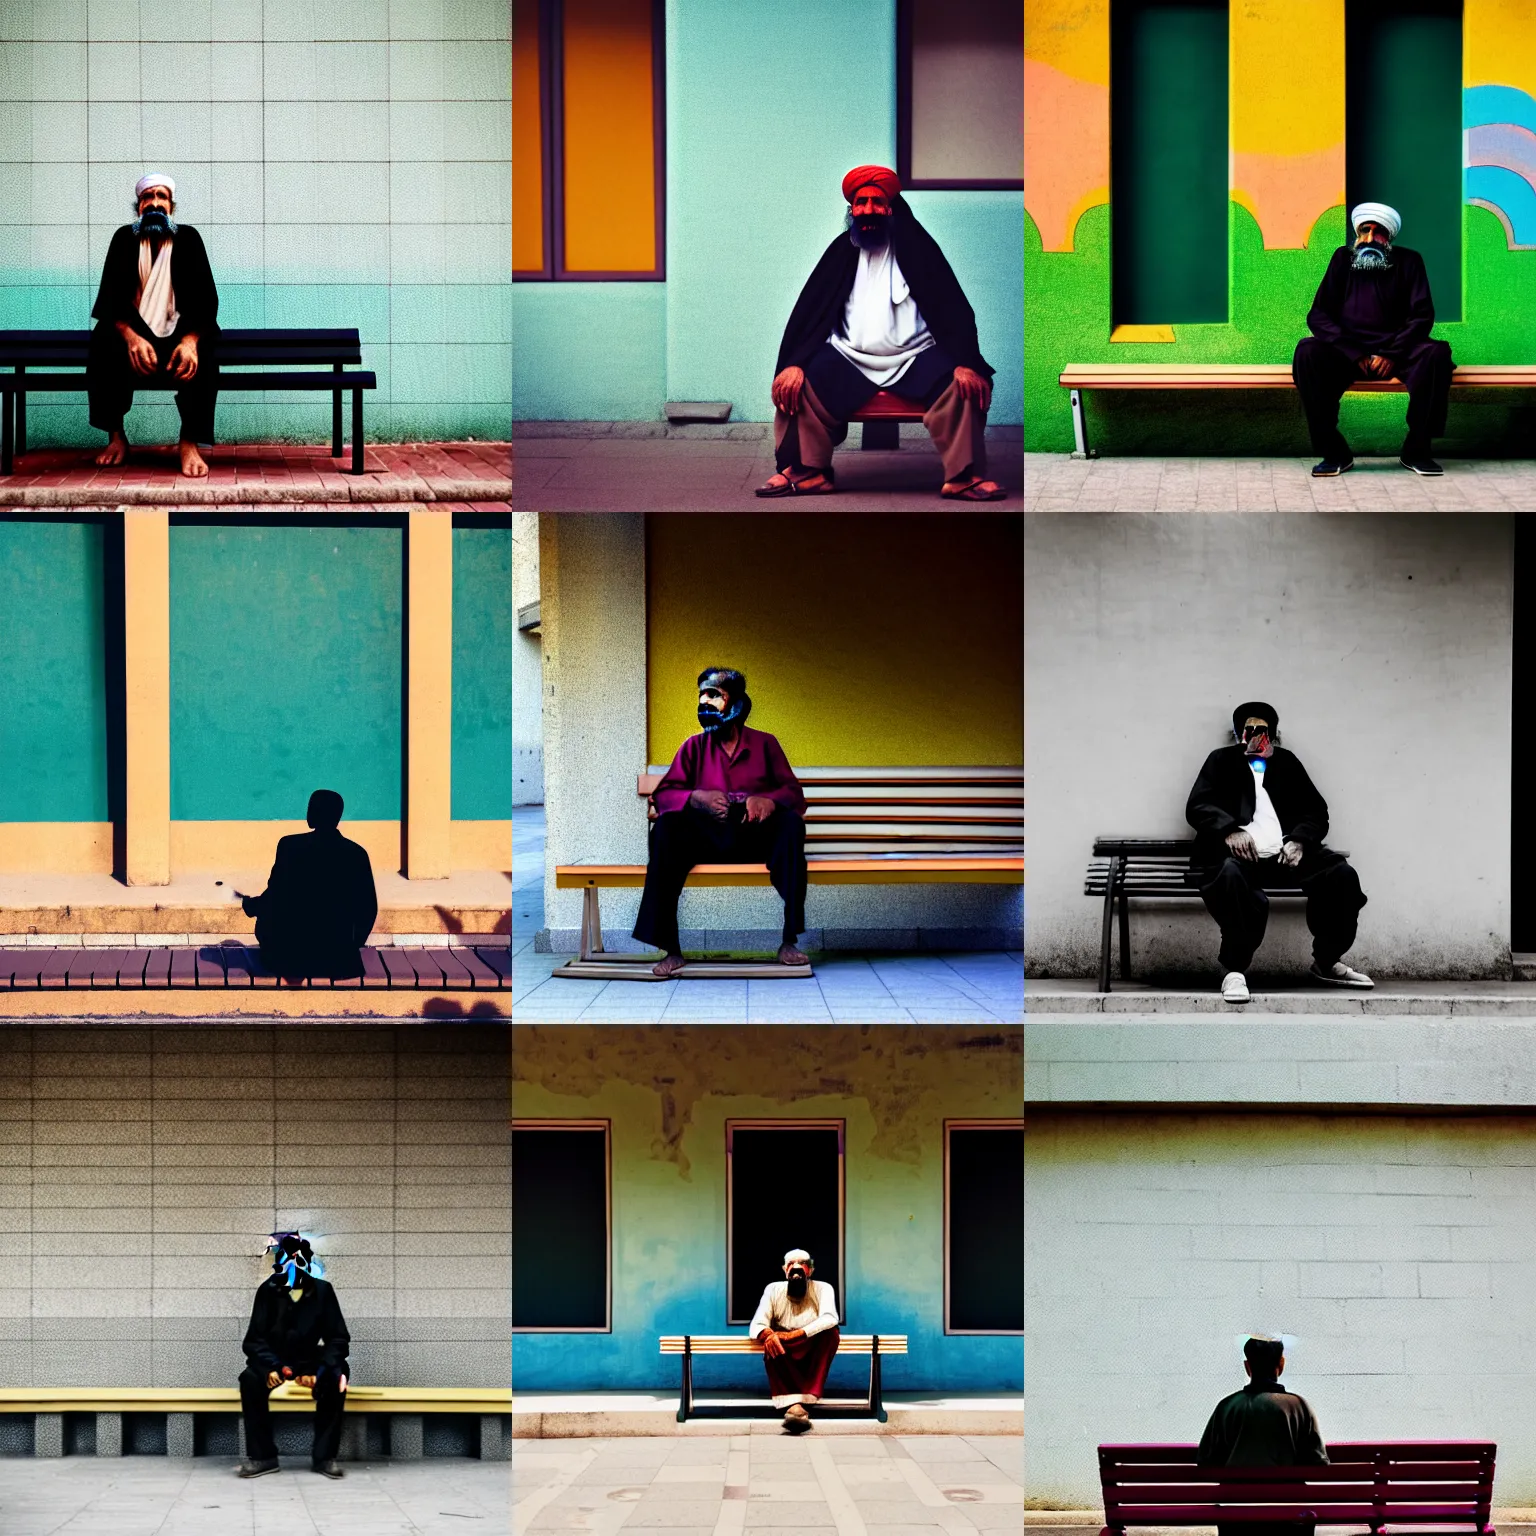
786	1191
1522	828
985	1229
560	1227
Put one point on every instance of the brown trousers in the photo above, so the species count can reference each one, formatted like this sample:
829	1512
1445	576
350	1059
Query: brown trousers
957	426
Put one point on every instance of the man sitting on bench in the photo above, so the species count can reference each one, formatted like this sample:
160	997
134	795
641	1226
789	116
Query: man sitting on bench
882	310
730	797
1259	821
796	1323
1371	320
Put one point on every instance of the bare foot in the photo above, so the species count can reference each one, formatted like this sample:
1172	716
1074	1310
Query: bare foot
116	451
790	955
668	967
193	463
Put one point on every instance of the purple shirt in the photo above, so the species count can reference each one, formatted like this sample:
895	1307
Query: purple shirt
759	767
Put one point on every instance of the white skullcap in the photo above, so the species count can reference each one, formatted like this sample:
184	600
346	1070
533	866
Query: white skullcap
797	1253
154	179
1377	213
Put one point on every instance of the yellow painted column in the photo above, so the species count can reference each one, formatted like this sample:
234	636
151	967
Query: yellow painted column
147	659
429	693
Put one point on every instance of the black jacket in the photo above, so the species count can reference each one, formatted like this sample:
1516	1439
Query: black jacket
1388	313
319	905
308	1335
1223	800
197	299
819	310
1262	1426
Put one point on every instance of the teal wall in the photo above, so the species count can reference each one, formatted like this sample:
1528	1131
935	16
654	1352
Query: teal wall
482	672
53	747
285	669
589	351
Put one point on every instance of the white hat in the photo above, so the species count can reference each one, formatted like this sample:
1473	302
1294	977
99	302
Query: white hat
1377	213
154	179
797	1253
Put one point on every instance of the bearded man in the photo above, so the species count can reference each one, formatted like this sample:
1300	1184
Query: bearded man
730	797
882	310
1371	320
157	315
796	1323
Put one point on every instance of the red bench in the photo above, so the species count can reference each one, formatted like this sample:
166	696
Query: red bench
882	415
1372	1483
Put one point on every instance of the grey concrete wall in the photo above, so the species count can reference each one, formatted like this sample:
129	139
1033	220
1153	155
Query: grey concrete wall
527	668
141	1167
1384	641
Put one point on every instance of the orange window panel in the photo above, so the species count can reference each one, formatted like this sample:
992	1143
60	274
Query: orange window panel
610	139
527	141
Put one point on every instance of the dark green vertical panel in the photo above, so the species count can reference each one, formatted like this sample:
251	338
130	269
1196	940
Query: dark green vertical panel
482	671
1402	63
1168	161
53	727
285	670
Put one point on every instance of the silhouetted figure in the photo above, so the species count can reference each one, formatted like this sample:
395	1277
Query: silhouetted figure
319	904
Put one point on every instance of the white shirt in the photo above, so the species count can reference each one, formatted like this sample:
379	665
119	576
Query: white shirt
882	330
1264	829
815	1312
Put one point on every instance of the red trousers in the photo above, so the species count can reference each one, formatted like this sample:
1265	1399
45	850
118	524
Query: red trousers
800	1373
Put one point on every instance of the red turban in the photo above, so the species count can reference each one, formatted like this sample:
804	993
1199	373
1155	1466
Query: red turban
872	176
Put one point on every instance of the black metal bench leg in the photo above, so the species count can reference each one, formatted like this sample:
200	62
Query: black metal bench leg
1111	879
685	1400
357	431
876	1402
1125	935
335	423
7	432
21	417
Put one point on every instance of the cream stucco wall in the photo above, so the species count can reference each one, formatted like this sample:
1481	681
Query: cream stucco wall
527	667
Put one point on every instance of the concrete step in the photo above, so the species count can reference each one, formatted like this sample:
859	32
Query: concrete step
1396	999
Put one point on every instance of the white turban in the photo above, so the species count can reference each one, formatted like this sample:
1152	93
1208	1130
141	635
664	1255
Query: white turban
797	1253
159	179
1376	213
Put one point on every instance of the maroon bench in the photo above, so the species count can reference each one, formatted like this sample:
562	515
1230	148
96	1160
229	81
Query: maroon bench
1378	1484
882	415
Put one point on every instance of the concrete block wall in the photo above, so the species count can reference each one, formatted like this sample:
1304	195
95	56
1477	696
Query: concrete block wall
140	1169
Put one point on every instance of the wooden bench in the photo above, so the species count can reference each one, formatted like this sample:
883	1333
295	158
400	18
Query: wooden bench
267	360
688	1345
864	826
182	1405
1379	1484
882	415
1077	377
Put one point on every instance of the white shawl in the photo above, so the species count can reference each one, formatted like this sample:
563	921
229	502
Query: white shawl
157	300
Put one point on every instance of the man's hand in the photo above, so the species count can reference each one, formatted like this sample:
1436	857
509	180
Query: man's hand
274	1379
141	355
1242	845
307	1381
760	807
1375	367
711	801
1290	854
973	386
183	363
786	390
772	1345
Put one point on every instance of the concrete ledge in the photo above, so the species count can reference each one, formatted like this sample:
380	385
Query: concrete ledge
1397	999
212	1006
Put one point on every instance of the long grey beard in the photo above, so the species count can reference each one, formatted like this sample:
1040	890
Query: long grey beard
1372	258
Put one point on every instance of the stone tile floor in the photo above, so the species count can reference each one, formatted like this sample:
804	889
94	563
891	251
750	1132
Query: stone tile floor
896	1485
1056	482
159	1496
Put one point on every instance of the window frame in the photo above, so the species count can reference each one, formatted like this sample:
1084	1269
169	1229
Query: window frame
552	152
970	1123
779	1123
904	28
536	1123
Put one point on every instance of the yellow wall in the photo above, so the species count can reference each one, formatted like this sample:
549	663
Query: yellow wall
1066	114
527	142
866	641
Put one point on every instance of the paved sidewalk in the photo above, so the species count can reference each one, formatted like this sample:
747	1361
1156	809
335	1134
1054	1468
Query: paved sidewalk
156	1496
1056	482
897	1485
1286	994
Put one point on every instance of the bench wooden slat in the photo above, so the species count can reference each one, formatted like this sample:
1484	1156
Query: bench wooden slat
499	958
288	1398
992	870
67	383
740	1344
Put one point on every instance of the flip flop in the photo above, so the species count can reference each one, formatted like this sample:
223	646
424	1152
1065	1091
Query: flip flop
793	487
973	492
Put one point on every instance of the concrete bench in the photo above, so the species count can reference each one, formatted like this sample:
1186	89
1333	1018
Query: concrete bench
181	1406
688	1345
1078	377
1383	1484
874	826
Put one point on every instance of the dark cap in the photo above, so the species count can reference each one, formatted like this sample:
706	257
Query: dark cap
1251	708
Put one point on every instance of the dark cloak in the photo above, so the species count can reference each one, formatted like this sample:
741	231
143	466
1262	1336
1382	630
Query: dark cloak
1364	313
318	907
1223	800
197	299
308	1335
819	310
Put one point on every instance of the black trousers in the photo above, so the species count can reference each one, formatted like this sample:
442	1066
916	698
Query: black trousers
330	1404
1322	374
1234	897
110	381
681	839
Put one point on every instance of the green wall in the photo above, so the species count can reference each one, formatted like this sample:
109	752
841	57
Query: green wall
53	736
285	669
482	671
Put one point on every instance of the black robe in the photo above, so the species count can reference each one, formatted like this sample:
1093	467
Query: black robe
197	299
1388	314
1262	1426
820	309
1223	801
308	1335
318	907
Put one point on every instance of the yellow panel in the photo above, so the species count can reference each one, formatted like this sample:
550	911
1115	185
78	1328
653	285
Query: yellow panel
56	847
866	641
147	664
527	141
610	170
1142	333
429	693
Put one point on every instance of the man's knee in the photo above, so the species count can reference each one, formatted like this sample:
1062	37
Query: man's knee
789	829
251	1377
668	832
1308	354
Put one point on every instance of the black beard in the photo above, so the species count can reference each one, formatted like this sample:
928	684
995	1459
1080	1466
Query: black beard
1371	258
797	1286
870	232
155	224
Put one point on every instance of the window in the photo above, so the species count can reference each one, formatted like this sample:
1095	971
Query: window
561	1209
588	140
960	94
784	1189
984	1226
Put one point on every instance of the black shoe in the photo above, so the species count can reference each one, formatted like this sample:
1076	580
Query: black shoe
257	1468
1330	467
1420	464
328	1469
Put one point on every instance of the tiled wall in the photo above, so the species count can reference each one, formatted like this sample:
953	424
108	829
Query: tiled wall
140	1169
348	162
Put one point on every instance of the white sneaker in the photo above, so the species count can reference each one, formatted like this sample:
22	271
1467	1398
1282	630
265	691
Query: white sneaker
1340	975
1234	987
